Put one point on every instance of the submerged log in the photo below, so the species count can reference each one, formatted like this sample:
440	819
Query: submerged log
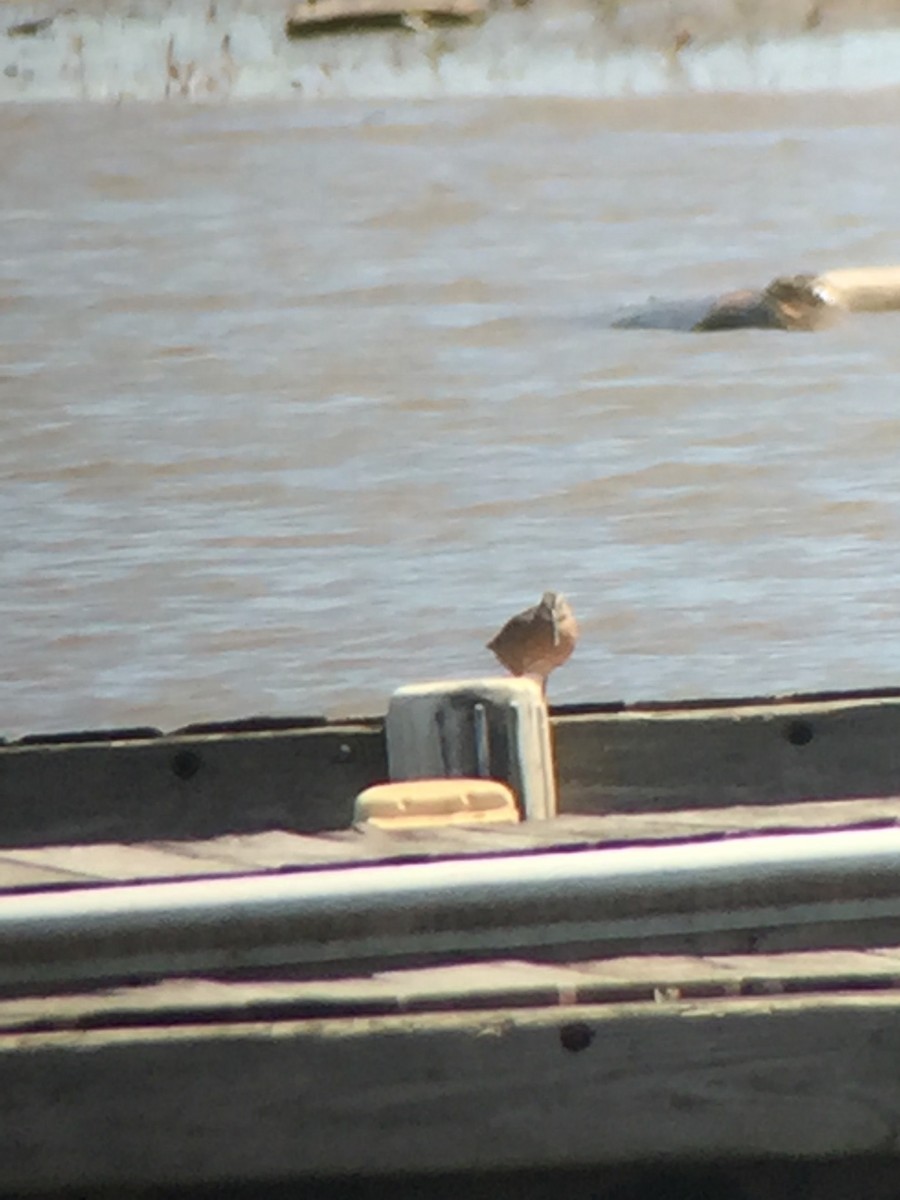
791	302
31	28
866	289
319	17
795	303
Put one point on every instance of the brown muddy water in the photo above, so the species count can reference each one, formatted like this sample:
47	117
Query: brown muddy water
301	398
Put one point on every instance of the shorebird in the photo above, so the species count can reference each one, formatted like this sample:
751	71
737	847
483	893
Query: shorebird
538	640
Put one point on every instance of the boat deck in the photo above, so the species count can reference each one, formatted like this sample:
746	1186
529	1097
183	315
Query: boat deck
32	868
720	1046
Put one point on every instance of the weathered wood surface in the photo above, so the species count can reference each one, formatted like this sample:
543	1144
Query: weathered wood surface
864	289
461	986
695	757
594	1063
40	867
610	759
191	785
451	899
318	17
534	1088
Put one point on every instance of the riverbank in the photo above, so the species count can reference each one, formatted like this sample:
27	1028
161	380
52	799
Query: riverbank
169	49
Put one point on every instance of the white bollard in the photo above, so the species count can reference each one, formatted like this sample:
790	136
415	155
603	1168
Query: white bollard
475	728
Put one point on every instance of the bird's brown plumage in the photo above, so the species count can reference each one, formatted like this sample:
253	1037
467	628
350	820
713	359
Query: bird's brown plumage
538	640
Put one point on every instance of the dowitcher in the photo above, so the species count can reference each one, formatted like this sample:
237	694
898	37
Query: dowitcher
538	640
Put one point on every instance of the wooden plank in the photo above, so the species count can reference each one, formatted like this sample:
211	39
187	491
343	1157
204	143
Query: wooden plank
36	868
15	874
864	289
277	849
679	758
186	787
469	985
451	1091
746	819
104	863
502	984
644	759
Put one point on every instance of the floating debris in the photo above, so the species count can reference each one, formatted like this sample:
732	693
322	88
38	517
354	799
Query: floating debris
794	302
319	17
31	28
791	302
